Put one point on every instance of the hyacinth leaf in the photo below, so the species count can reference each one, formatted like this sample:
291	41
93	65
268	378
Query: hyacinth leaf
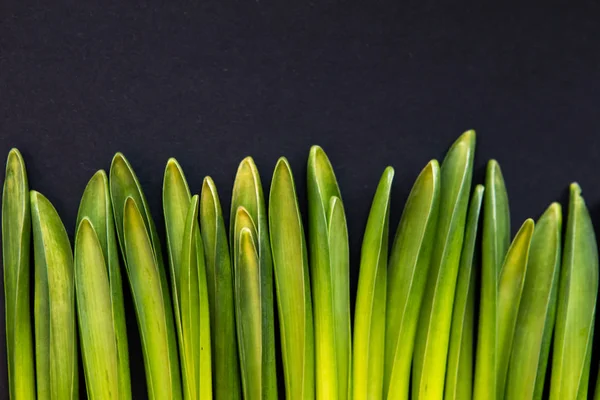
219	276
577	294
16	242
54	304
459	375
160	361
195	319
408	267
292	285
537	310
179	219
330	281
248	194
124	185
176	199
369	322
495	243
99	291
248	313
433	329
98	344
510	289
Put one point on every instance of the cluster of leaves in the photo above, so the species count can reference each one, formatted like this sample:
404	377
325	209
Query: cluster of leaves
206	319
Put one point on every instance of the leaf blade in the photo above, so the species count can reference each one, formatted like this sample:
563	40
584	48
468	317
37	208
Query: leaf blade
55	331
369	323
330	295
226	376
577	294
16	238
292	284
408	267
537	310
495	243
459	376
433	332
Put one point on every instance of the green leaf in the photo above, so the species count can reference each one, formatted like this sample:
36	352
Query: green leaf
16	238
577	294
459	374
99	290
495	242
54	297
433	329
330	279
369	316
510	289
248	314
98	344
292	284
226	374
408	267
195	319
188	277
124	184
160	356
248	194
537	311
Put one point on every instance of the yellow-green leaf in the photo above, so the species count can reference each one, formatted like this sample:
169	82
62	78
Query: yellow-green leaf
160	356
248	315
226	375
369	317
330	279
54	299
292	285
125	188
459	374
94	311
578	288
195	319
510	289
495	242
248	193
99	232
537	311
408	267
433	329
16	241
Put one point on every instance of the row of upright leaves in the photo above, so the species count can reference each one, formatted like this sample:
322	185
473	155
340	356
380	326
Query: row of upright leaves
212	332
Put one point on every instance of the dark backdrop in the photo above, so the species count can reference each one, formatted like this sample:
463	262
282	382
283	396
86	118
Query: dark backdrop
375	84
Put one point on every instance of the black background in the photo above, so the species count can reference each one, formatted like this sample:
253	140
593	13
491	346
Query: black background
375	84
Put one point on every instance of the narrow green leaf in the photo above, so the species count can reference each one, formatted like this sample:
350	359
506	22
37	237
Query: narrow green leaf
408	267
510	289
433	329
98	344
248	193
54	298
330	279
248	307
292	284
187	276
495	242
16	241
195	319
531	345
226	375
124	185
459	375
97	258
369	316
577	294
161	364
